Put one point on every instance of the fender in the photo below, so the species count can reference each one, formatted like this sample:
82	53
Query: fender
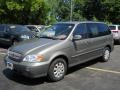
57	54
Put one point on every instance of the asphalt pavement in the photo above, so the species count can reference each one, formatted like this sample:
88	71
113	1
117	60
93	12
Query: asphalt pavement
93	75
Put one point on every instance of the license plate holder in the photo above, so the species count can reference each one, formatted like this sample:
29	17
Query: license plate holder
9	65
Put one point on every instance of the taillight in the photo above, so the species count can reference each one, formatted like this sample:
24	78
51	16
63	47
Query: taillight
115	31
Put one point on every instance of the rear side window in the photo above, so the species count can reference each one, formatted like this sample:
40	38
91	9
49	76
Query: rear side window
93	30
118	27
2	28
81	30
103	29
112	27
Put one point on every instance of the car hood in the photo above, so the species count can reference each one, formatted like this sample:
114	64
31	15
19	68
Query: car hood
33	45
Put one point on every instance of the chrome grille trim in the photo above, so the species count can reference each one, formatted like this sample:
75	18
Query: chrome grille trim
14	55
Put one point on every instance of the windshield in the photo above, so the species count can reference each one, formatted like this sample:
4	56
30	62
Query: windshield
57	31
32	28
18	28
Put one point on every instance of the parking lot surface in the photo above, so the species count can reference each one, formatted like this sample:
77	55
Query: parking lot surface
92	75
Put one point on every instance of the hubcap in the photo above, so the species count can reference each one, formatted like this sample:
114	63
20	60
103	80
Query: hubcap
59	70
107	54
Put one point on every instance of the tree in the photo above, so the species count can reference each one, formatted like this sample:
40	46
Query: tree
64	8
63	12
78	6
92	9
23	11
51	11
112	10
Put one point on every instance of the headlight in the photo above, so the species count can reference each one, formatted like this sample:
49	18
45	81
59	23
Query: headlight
33	58
25	37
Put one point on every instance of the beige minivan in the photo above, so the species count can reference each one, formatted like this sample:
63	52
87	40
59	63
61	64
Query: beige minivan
61	46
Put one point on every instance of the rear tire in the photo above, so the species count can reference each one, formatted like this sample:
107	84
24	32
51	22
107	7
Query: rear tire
106	54
57	70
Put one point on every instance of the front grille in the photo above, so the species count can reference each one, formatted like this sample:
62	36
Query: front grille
15	56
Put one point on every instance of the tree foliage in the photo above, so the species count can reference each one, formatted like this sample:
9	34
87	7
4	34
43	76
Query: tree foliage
23	11
51	11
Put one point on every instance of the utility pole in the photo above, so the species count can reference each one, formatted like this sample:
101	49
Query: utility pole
71	10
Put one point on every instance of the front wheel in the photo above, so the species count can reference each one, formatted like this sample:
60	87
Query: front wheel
106	54
57	69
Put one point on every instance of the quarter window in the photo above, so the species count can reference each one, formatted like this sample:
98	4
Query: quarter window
103	29
118	27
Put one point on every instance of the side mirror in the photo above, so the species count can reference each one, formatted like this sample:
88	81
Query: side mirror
77	37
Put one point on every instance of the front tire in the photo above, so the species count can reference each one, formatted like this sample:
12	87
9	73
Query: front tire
57	70
106	54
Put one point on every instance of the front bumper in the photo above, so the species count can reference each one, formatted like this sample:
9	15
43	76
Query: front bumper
31	70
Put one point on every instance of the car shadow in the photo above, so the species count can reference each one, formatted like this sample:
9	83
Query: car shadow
4	46
28	81
23	80
116	43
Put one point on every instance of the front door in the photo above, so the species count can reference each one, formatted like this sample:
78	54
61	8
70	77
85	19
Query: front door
80	47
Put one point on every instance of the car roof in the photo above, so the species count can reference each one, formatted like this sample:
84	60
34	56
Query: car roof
77	22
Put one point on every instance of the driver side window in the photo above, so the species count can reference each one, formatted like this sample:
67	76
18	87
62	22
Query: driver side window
81	30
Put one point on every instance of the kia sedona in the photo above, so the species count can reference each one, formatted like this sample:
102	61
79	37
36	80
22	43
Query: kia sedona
60	47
